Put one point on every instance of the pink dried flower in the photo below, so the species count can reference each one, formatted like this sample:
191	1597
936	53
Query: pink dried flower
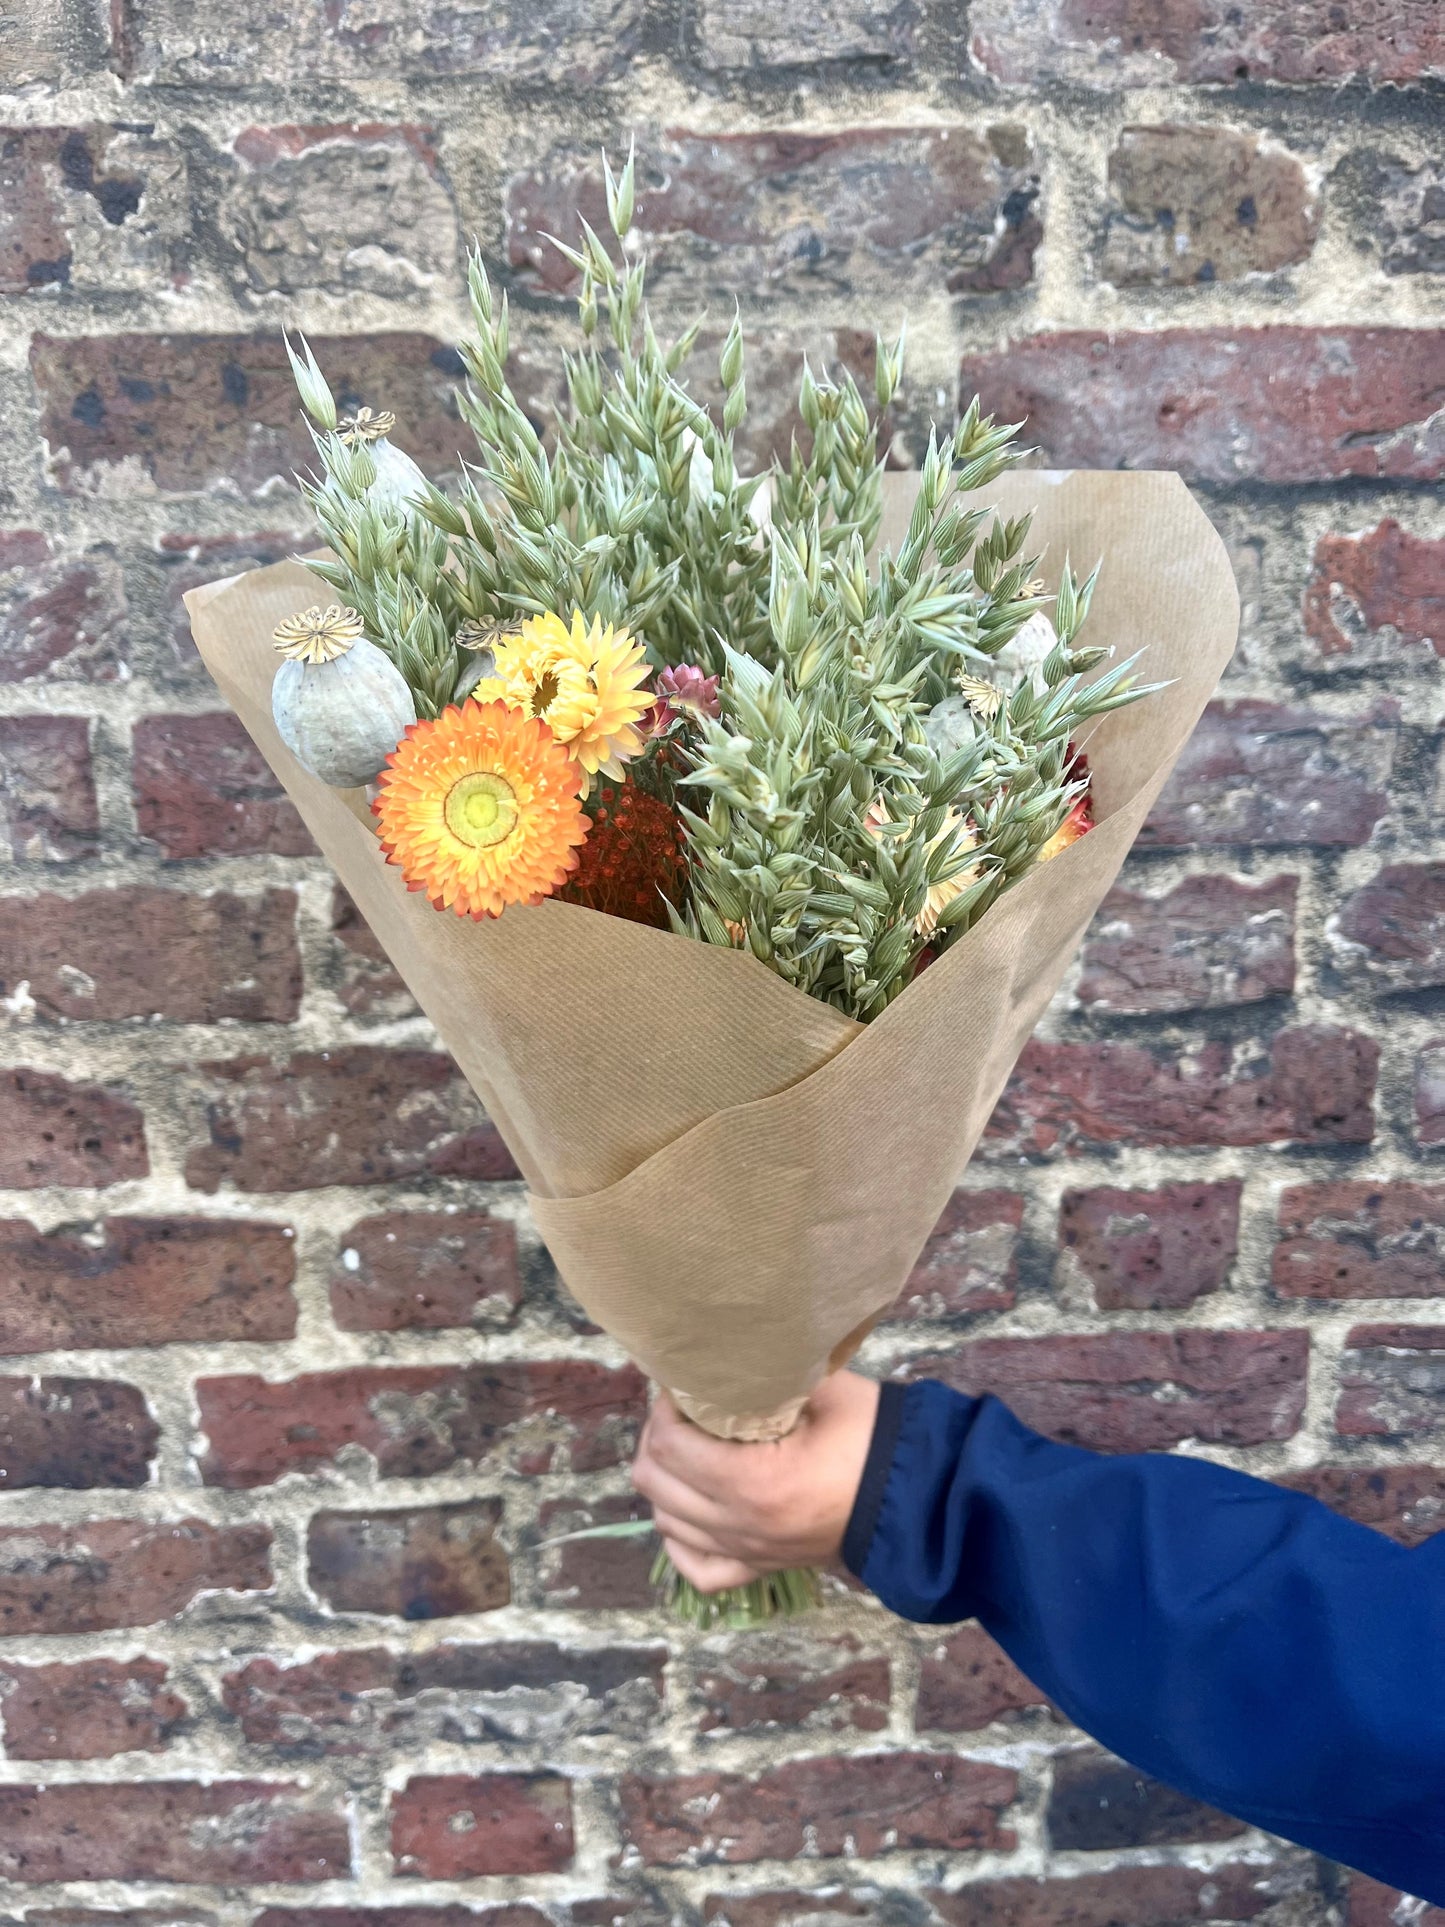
684	691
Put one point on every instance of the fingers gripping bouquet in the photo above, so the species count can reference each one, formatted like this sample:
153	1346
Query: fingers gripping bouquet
710	816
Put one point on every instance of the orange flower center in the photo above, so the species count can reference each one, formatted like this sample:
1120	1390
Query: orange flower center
481	809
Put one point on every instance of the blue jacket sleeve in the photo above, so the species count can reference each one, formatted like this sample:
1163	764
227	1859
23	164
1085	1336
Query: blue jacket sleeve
1232	1638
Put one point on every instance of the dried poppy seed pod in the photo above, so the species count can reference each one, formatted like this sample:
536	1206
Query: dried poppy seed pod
341	705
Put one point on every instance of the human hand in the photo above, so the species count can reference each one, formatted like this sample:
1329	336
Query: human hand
729	1512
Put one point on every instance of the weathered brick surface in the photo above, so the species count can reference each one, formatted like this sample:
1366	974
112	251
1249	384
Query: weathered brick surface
73	1432
1202	204
866	1803
969	1263
1405	1501
1097	1801
1392	1382
61	617
202	788
1391	930
427	1271
121	1572
180	414
93	957
1124	42
53	1131
1150	1250
446	1827
90	1709
345	208
1274	404
416	1420
144	1281
48	809
1211	941
356	1115
572	42
178	1830
371	1701
1373	1905
1360	1240
1315	1086
1261	773
284	1374
937	205
793	1681
428	1562
967	1682
1377	595
1132	1391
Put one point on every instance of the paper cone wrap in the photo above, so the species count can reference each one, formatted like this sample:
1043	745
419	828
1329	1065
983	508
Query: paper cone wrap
733	1179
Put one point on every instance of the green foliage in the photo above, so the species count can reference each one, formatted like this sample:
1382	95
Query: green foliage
828	823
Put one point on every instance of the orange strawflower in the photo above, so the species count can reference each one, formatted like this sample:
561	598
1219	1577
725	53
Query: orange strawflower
482	808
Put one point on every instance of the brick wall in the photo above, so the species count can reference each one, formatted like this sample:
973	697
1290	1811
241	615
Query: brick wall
290	1394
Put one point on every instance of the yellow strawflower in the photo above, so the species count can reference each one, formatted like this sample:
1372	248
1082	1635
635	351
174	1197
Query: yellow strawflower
585	682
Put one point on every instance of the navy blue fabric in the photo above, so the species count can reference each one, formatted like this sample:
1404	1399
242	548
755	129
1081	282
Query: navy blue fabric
1232	1638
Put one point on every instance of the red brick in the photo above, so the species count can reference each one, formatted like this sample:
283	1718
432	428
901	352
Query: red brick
367	1702
788	1679
122	1572
1097	1802
1280	404
48	809
1209	942
185	561
1391	931
360	972
55	1132
1151	1250
1258	773
94	956
1163	1896
194	412
61	618
1371	1905
1132	1391
967	1682
1315	1087
1392	1382
1405	1501
923	206
598	1575
346	209
355	1115
1377	594
427	1271
1201	204
426	1562
76	1432
202	788
417	1420
1430	1092
1356	1239
970	1263
144	1281
860	1805
91	1709
575	43
177	1830
746	34
92	208
451	1827
1146	43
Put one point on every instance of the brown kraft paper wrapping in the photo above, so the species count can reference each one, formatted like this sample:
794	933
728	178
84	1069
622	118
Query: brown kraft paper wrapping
734	1179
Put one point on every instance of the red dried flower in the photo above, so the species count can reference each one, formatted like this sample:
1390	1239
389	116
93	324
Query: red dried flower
634	858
